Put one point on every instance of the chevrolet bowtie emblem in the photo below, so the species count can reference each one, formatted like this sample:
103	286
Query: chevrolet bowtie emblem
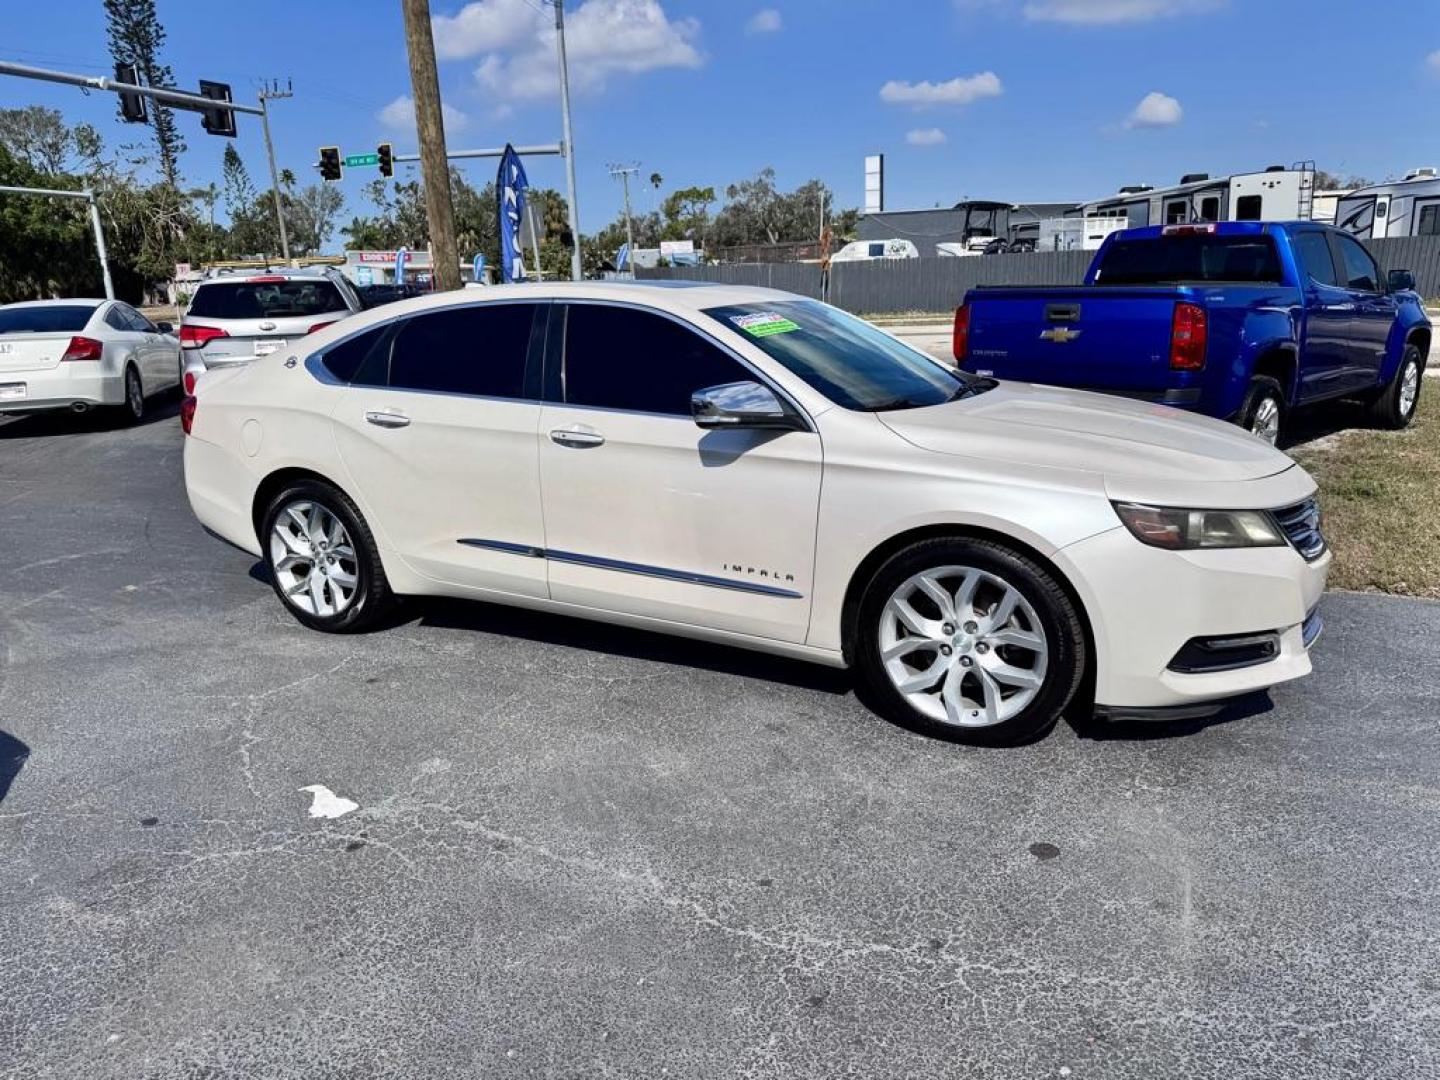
1059	334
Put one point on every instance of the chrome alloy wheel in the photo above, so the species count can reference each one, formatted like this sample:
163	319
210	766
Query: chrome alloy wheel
1409	387
1266	424
963	646
134	393
313	559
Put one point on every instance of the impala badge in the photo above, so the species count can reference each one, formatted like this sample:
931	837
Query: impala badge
267	326
1059	334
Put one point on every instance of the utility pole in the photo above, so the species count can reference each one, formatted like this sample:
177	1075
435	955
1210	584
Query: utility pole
89	197
430	129
568	135
624	172
271	91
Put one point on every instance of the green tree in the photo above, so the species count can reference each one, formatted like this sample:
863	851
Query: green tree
687	214
136	37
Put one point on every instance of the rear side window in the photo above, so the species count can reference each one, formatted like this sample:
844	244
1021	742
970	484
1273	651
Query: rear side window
1360	270
1193	257
266	299
50	319
1314	254
476	350
622	358
344	360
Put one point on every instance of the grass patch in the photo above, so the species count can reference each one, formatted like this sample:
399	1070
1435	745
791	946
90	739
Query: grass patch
1380	493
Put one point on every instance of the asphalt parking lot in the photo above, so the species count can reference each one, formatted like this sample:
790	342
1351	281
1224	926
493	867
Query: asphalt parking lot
585	852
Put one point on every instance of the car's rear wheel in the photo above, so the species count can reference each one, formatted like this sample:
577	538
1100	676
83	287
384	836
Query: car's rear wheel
1264	409
132	411
323	561
970	640
1394	407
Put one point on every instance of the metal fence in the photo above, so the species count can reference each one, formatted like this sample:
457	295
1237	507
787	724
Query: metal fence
937	284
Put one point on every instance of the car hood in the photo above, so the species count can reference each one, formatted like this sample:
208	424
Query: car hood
1047	427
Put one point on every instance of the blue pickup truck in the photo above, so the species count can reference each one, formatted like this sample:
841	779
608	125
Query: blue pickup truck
1244	321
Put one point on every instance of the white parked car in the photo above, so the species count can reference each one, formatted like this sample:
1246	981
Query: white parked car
752	468
83	354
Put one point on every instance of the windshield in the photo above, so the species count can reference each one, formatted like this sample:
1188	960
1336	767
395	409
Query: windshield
1190	257
845	358
266	300
50	319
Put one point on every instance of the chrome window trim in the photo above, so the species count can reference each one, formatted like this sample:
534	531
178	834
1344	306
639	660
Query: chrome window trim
690	577
689	324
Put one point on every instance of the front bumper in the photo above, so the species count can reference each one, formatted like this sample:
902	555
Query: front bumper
1146	604
62	387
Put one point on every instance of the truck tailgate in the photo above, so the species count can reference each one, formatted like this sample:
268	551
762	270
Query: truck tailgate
1114	339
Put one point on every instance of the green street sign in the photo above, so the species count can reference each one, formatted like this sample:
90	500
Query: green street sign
354	160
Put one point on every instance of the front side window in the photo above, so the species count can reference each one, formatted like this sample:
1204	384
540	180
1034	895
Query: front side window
1314	255
639	361
478	350
851	362
1360	270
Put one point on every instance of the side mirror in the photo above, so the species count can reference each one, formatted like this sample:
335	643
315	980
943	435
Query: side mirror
742	405
1400	281
164	328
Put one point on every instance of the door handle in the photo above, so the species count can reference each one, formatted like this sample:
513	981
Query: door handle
387	419
576	440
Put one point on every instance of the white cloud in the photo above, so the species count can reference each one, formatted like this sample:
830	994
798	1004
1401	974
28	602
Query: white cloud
1091	12
960	90
399	116
765	21
1433	61
925	137
603	38
483	26
1156	110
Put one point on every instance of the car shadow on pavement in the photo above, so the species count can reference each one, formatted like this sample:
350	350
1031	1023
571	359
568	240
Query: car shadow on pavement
41	425
1083	721
13	754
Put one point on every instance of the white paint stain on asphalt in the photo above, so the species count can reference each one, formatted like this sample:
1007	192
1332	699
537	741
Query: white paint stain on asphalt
327	804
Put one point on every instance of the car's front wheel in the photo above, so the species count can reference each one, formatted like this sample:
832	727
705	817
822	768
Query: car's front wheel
323	559
971	640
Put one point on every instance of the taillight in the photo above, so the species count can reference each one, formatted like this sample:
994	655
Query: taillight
189	381
321	326
83	348
960	346
187	412
196	337
1188	332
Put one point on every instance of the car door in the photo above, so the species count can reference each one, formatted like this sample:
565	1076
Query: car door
1372	316
437	431
1324	359
648	514
161	365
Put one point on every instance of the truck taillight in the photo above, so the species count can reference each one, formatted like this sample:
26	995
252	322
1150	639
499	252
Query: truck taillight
1188	333
197	337
83	348
187	412
960	346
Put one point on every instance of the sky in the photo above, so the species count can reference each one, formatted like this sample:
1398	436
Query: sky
1018	100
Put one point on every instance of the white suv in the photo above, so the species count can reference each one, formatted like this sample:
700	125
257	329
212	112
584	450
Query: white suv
749	467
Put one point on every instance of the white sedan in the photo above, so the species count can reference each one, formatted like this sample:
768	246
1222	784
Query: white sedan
83	354
756	469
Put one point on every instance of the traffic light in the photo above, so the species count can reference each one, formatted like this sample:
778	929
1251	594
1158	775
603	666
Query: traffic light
387	159
132	105
330	163
217	121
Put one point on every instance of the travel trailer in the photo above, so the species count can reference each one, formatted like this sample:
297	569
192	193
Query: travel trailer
1409	207
1277	194
1076	233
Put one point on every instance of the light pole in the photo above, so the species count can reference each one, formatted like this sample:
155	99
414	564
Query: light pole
567	134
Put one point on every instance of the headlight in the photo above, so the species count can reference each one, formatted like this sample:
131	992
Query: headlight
1186	530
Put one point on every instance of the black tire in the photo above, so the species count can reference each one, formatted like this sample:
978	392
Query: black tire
372	599
132	410
1064	636
1261	396
1389	408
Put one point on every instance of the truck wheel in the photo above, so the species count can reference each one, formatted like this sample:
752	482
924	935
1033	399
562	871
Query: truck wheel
1394	407
1264	409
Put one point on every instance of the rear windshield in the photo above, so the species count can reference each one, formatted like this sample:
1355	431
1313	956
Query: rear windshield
266	299
1189	257
51	319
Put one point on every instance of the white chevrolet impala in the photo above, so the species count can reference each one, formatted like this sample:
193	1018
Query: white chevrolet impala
757	469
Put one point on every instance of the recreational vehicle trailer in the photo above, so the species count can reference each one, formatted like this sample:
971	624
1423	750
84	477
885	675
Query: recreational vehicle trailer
1409	207
1277	194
